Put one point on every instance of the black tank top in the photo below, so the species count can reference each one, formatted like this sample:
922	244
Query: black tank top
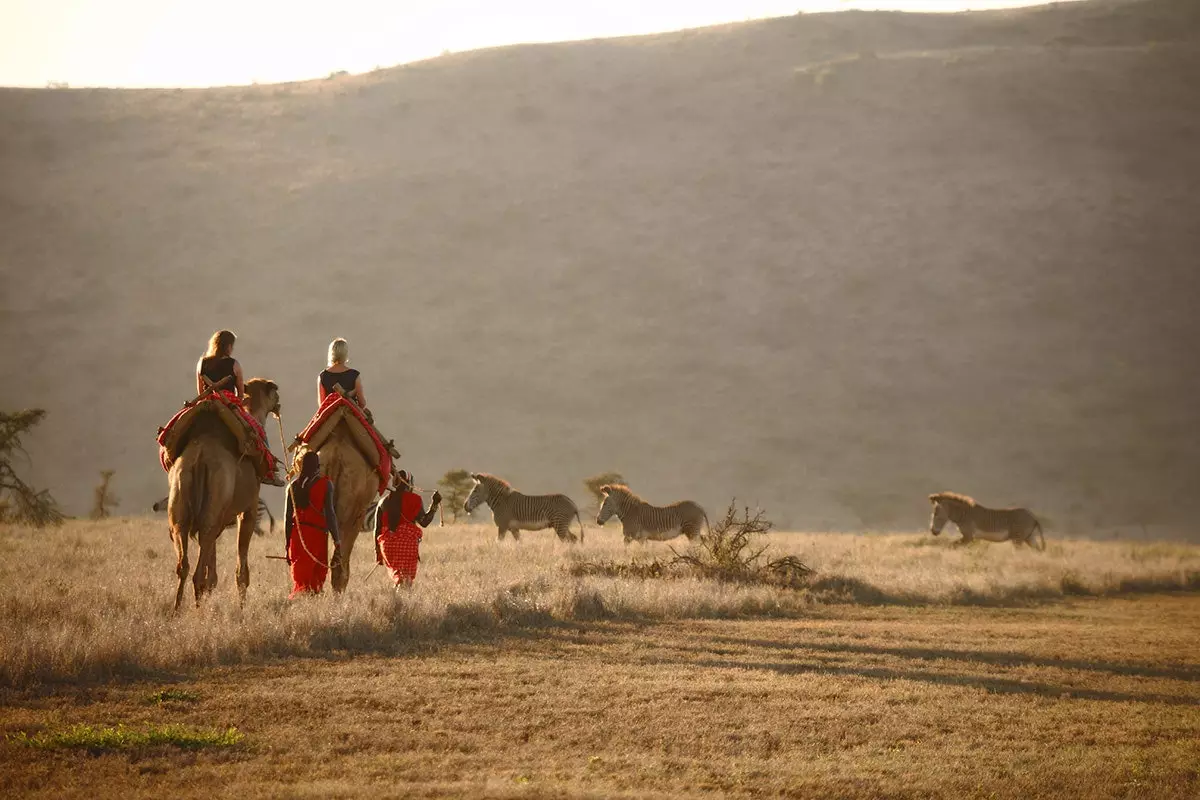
346	380
217	368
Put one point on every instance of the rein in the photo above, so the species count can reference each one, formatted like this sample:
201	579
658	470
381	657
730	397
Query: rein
299	531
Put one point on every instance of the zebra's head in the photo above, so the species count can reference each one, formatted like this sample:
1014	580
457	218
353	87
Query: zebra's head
941	515
609	507
478	495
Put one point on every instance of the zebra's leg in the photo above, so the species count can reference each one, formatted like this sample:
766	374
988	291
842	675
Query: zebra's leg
968	534
516	534
500	534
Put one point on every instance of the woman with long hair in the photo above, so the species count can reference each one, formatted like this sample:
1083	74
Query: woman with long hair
398	524
337	373
218	366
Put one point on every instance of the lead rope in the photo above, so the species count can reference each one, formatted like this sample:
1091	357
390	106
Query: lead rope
300	532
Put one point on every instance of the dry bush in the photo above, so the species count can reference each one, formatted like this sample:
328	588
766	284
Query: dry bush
729	551
104	500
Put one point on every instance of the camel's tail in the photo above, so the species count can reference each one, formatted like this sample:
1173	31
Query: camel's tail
196	498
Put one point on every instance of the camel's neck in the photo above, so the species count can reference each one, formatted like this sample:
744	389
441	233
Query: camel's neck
259	414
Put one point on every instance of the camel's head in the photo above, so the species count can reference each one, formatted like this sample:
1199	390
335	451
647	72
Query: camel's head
262	397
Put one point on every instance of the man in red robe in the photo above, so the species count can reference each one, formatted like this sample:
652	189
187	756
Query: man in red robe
310	520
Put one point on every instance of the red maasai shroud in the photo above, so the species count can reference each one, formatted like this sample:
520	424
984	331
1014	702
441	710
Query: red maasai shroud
333	401
266	459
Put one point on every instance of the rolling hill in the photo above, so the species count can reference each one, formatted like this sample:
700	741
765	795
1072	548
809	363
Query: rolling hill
827	263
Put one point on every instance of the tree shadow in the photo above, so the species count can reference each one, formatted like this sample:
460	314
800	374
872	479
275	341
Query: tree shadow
992	685
1183	673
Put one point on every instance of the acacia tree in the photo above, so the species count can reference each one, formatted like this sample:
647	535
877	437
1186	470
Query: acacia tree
594	483
20	502
455	485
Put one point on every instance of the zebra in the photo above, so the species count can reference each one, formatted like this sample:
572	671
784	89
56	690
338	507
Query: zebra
1017	525
161	506
642	521
514	512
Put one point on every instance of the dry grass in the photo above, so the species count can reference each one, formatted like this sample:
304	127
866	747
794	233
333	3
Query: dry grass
1084	698
93	599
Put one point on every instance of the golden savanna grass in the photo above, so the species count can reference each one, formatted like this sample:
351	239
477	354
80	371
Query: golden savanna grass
92	600
908	668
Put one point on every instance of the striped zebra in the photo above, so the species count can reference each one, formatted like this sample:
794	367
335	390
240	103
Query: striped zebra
642	521
1016	525
263	511
514	512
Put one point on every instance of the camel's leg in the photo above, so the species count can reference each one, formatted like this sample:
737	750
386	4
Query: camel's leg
205	578
339	577
247	522
180	540
198	579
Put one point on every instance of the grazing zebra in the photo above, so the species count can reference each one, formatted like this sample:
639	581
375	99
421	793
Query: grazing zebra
514	512
161	505
642	521
1017	525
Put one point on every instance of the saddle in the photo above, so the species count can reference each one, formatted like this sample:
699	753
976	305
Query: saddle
338	409
250	437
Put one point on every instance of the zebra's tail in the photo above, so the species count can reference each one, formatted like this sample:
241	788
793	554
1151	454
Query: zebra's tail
1037	526
580	525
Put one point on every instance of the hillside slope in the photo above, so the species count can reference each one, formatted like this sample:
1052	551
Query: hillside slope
827	263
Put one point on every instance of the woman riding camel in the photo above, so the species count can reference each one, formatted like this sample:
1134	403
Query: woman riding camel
218	367
338	374
397	535
310	518
219	371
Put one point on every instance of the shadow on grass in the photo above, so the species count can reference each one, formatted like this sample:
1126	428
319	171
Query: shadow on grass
990	658
989	684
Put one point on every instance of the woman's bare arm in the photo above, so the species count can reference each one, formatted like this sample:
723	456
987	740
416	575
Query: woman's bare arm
358	390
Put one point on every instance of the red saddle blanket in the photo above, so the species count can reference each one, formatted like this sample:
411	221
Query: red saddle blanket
337	409
250	436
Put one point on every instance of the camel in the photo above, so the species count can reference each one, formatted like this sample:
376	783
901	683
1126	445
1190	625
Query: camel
355	487
211	483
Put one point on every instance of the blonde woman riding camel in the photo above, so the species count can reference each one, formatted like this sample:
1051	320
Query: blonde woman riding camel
338	374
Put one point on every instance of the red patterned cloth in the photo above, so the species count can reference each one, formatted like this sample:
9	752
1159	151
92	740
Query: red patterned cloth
400	540
332	402
267	460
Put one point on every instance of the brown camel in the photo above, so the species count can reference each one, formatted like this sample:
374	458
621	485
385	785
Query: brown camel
355	486
211	484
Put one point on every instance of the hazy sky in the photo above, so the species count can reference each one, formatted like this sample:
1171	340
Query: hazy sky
214	42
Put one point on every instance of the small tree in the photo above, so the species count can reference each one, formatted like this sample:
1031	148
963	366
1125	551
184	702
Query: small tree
455	485
594	483
19	502
104	498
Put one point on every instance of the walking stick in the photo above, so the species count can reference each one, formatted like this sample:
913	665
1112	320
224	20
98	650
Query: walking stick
283	442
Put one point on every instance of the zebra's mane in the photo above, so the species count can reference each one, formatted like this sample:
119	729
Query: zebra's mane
621	488
953	498
484	477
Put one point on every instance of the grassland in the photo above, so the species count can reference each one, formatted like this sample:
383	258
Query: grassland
908	668
92	600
